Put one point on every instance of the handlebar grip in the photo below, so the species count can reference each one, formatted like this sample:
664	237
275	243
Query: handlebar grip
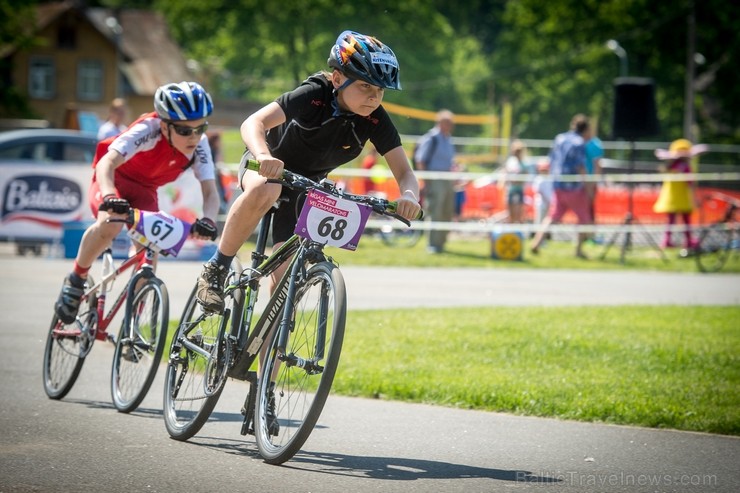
392	206
253	164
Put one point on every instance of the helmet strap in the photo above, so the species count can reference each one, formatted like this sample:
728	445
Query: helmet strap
169	135
335	102
345	84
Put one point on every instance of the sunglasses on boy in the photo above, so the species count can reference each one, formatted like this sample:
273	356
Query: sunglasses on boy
185	131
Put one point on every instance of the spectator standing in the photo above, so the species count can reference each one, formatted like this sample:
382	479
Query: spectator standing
116	122
437	153
515	170
677	197
594	153
567	159
542	188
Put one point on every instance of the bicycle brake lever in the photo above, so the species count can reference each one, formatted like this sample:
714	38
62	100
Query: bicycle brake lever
129	220
400	218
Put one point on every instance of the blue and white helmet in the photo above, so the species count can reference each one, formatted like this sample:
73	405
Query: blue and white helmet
183	101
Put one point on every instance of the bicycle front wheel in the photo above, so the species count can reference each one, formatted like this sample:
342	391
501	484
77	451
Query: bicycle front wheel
289	405
714	248
140	345
67	345
198	361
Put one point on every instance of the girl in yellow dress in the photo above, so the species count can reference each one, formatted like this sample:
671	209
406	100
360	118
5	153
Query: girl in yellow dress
677	197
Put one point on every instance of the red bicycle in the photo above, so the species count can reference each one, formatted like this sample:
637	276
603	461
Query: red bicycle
141	338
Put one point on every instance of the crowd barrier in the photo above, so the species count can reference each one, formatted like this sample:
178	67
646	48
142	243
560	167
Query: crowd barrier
484	208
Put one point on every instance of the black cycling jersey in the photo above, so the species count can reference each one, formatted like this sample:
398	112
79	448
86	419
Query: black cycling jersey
317	137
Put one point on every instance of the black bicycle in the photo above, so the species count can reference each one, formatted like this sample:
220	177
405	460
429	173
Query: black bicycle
300	332
718	240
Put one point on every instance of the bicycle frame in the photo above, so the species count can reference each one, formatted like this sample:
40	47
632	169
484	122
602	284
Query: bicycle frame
249	342
142	259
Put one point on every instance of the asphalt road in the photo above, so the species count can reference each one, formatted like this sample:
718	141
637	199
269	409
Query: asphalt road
82	444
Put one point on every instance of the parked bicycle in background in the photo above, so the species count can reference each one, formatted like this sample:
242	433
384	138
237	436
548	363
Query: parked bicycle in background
717	241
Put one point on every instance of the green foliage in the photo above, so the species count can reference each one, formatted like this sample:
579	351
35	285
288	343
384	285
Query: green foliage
16	33
548	59
610	364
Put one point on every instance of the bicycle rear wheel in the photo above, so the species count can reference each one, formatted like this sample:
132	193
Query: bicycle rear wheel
198	361
714	248
304	374
67	345
140	345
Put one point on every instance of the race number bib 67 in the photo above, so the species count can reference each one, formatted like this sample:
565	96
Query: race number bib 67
331	220
159	231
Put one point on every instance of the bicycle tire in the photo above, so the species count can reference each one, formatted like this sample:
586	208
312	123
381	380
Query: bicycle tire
713	248
140	344
300	393
190	394
66	347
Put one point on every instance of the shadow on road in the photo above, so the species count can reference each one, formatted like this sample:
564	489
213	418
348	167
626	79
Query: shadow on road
384	468
404	469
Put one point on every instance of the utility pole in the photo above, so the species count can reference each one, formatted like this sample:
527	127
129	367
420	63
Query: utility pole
614	46
688	111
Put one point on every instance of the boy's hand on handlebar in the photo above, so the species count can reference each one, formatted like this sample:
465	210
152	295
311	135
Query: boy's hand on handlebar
204	229
408	207
113	204
271	167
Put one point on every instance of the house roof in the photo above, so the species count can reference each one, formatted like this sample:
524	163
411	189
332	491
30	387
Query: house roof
151	57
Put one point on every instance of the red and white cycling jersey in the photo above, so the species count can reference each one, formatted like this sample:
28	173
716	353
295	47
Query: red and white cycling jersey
150	160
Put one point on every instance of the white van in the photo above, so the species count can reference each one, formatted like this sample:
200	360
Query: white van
44	177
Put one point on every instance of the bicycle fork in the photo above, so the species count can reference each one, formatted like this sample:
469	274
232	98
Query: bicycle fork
287	325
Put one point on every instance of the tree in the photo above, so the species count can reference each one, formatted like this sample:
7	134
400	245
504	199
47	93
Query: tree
547	58
17	18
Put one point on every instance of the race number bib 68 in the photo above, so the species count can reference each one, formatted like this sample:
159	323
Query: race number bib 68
159	231
331	220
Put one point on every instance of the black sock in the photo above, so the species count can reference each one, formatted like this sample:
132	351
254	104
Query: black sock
221	259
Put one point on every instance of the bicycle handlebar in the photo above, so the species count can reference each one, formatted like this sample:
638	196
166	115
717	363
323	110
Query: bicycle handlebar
129	220
379	205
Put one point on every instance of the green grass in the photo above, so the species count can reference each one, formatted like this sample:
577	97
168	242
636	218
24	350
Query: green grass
232	146
656	366
475	250
671	367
